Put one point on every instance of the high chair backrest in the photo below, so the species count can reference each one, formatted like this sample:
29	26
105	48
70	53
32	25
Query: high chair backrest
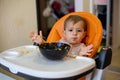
94	30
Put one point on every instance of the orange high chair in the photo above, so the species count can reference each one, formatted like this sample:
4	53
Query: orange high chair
94	37
94	30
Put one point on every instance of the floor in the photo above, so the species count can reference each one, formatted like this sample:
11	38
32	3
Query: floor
112	72
5	77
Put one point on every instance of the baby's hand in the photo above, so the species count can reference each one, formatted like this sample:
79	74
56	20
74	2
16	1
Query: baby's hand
36	38
85	50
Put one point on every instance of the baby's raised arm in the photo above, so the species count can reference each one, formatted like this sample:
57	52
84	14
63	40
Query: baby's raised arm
37	38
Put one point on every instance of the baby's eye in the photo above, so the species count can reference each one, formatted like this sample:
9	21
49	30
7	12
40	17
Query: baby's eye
70	30
78	30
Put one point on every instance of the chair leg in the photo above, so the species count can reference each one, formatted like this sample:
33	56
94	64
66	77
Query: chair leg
89	76
99	74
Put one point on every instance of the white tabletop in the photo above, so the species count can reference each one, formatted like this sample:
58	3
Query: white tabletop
28	60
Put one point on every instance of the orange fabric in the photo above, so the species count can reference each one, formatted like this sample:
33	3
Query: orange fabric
94	32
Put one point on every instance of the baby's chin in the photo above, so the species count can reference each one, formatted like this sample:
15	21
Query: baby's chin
74	43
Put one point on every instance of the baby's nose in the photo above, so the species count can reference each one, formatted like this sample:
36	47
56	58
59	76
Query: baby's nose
74	32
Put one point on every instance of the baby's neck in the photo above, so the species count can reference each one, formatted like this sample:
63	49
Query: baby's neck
74	45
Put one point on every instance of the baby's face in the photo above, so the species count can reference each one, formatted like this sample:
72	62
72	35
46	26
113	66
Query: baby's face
74	33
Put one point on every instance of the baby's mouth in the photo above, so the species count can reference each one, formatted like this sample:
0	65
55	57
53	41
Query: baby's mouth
74	38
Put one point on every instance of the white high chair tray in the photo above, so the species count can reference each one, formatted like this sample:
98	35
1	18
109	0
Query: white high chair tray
28	60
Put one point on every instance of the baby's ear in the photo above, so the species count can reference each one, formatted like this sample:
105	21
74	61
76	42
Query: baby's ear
85	33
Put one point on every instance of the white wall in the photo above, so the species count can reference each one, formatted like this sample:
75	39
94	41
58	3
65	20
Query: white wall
78	5
17	19
84	5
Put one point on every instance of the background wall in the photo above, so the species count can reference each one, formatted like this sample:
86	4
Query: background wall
84	5
17	19
116	24
119	23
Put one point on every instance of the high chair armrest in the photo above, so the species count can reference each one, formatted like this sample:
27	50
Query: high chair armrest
103	59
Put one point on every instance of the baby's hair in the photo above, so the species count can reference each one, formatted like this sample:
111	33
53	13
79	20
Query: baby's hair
75	19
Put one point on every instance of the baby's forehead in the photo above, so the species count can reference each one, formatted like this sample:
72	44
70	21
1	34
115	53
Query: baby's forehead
73	23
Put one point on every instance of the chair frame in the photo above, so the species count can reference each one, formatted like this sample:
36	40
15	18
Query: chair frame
103	58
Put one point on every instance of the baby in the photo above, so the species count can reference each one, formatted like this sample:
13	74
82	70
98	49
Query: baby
75	30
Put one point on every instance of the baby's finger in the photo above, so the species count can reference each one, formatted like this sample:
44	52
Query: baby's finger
40	32
88	54
31	34
90	50
33	39
90	46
